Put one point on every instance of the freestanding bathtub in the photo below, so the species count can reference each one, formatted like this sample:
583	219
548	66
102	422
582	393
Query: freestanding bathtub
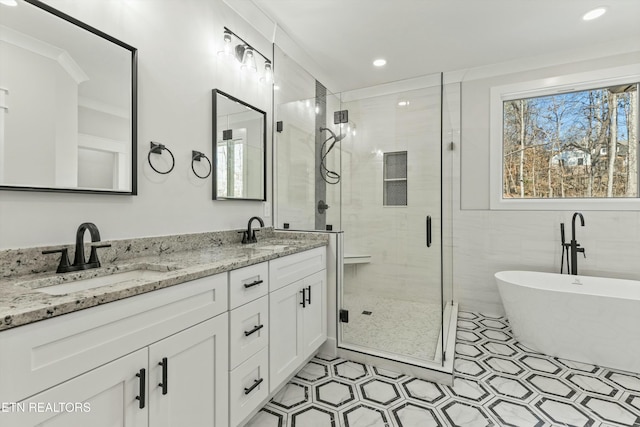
582	318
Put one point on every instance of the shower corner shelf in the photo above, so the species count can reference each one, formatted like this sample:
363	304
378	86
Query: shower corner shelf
357	259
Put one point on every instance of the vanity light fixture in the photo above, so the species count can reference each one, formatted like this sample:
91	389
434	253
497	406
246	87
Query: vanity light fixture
9	2
245	54
594	13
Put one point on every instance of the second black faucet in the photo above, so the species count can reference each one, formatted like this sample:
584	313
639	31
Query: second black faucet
249	236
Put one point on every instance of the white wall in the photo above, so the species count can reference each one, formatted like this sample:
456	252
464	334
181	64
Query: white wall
487	241
177	69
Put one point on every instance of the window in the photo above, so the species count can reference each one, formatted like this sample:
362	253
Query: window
555	142
395	179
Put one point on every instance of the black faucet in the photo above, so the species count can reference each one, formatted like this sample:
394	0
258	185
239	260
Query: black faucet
249	236
574	246
79	261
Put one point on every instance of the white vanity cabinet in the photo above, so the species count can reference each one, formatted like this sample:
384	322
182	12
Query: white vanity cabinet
298	311
208	352
112	354
248	340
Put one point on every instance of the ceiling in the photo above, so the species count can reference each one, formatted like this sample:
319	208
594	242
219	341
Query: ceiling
421	37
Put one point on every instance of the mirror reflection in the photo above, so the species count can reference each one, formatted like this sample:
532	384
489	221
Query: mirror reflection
67	121
239	151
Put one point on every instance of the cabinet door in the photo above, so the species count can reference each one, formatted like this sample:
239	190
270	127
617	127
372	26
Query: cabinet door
190	388
314	314
103	397
285	333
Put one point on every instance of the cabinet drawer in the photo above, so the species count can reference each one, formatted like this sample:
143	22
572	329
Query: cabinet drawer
286	270
248	330
46	353
247	284
248	386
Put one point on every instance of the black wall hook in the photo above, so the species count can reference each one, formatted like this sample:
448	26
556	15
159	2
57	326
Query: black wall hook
197	156
156	148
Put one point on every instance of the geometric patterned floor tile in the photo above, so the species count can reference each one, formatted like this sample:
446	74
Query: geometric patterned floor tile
379	391
627	381
610	411
460	414
268	417
505	366
564	412
424	391
313	372
514	414
634	401
334	393
591	384
364	416
509	387
350	370
313	416
411	414
469	367
540	364
499	349
381	372
291	395
497	382
550	385
469	389
496	335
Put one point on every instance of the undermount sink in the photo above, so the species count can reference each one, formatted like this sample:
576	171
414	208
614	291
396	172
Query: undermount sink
142	275
272	247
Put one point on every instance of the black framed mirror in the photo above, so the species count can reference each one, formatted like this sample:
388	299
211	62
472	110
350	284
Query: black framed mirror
68	104
239	149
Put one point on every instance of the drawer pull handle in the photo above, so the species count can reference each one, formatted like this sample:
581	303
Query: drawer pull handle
165	371
256	283
309	295
143	380
256	383
254	330
304	299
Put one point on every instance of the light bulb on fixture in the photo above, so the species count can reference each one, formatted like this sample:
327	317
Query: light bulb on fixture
249	59
228	49
268	72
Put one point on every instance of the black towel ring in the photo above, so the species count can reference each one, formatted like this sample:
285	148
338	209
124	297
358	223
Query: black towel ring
196	156
157	149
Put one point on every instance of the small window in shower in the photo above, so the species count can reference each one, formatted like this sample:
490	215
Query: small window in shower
395	179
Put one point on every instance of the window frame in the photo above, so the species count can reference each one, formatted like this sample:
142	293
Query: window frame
542	87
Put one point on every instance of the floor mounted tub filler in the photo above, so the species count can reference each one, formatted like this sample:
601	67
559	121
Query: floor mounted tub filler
587	319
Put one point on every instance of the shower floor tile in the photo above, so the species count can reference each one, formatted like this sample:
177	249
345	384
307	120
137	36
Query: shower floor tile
498	382
374	323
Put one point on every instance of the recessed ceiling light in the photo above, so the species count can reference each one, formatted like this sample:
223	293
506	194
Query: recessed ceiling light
380	62
595	13
9	2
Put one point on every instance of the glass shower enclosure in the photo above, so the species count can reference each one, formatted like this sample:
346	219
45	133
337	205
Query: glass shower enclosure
370	167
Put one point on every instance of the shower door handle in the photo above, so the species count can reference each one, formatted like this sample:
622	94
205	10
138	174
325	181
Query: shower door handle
428	231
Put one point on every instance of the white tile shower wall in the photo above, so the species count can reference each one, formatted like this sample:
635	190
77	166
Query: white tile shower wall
401	264
177	69
486	241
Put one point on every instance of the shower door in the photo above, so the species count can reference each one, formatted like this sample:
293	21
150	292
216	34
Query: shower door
391	295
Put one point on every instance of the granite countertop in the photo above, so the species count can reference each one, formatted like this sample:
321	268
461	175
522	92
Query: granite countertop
21	301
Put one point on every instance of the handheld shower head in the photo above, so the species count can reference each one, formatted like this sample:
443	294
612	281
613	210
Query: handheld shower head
336	138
